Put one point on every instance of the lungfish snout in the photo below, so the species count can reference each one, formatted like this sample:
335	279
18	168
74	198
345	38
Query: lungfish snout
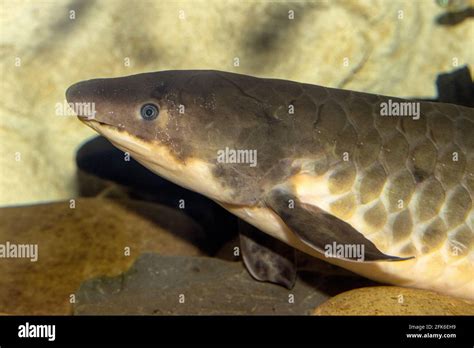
80	98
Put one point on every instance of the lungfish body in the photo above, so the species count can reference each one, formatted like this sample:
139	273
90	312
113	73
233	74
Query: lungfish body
380	186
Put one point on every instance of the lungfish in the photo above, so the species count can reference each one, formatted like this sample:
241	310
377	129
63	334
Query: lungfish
385	195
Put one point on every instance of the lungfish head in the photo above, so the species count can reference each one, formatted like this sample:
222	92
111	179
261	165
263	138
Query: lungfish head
177	123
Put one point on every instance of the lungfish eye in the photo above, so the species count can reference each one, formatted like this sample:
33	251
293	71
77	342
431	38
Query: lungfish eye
149	112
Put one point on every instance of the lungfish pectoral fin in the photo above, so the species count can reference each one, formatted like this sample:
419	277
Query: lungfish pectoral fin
323	231
266	258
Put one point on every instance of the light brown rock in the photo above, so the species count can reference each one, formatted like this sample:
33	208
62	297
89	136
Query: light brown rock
82	243
392	300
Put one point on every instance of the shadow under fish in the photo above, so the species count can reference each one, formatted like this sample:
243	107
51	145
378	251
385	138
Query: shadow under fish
101	160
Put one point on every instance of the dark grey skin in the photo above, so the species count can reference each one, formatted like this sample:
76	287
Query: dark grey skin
220	110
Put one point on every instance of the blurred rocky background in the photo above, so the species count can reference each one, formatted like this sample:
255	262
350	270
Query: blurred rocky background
379	46
125	248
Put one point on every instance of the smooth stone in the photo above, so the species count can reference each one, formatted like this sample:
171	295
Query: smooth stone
393	300
82	243
153	285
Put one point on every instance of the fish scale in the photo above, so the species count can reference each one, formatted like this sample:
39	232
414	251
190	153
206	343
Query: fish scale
406	185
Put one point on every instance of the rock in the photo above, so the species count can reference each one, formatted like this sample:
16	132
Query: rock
393	300
155	284
81	243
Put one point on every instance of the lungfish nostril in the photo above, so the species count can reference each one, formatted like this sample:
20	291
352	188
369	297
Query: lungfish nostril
75	93
80	101
71	94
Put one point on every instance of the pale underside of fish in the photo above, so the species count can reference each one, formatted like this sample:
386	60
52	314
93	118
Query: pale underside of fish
330	169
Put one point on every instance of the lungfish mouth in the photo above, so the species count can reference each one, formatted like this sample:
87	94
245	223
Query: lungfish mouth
194	173
147	153
120	137
94	123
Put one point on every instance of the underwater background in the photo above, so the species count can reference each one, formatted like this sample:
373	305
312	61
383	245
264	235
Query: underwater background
98	229
387	47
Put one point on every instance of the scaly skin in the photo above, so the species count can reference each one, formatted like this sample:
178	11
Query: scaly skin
407	185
